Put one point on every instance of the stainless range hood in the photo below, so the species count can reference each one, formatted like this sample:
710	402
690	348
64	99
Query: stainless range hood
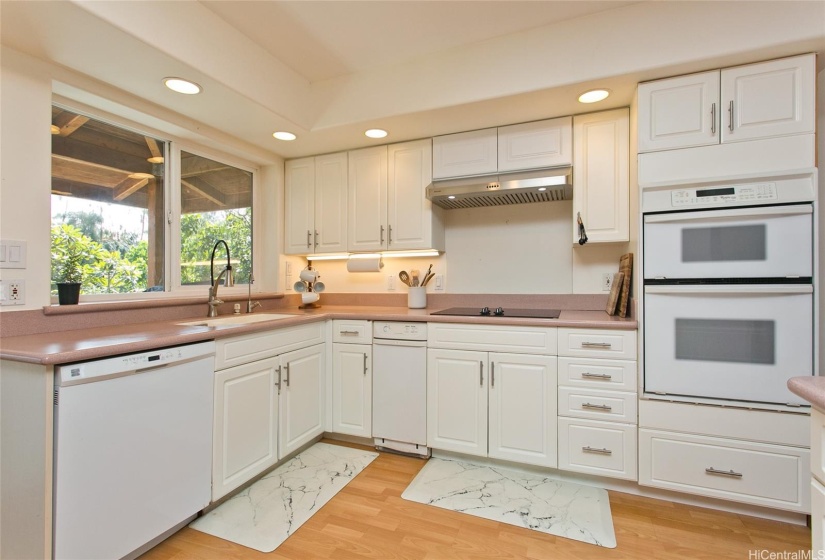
542	185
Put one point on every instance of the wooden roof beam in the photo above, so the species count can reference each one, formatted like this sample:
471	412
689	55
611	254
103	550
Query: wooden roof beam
154	149
128	187
69	122
205	190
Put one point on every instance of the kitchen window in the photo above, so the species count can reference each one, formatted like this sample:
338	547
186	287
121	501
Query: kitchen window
144	212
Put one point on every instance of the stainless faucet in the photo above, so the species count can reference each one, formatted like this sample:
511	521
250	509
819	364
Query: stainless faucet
214	302
250	305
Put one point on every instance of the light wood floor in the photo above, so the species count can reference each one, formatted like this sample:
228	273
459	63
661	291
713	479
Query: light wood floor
368	519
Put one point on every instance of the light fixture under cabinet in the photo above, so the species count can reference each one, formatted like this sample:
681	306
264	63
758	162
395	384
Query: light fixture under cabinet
385	254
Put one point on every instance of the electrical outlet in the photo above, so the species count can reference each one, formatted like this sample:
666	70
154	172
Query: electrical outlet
390	282
607	281
12	292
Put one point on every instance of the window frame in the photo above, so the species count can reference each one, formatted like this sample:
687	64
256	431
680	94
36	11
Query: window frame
172	207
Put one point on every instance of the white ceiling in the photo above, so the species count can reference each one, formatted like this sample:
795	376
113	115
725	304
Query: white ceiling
328	70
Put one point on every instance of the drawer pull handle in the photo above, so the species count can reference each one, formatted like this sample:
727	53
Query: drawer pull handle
602	451
588	375
596	345
731	473
348	333
597	406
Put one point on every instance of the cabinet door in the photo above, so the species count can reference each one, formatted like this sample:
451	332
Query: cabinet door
352	389
773	98
302	398
367	207
535	144
410	216
330	234
465	153
299	202
245	433
679	112
457	401
601	192
523	408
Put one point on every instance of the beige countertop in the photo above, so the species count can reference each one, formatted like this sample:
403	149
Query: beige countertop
99	342
811	388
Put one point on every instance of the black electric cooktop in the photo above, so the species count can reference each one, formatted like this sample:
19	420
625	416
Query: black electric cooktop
499	312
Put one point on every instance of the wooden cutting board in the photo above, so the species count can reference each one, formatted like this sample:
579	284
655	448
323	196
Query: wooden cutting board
626	268
615	288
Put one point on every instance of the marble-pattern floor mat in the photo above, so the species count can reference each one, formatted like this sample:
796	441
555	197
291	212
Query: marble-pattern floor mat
565	509
265	514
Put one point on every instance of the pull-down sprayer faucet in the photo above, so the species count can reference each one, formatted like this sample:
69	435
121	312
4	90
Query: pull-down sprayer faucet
213	288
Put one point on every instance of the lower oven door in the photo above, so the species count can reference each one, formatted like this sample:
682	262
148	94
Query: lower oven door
732	342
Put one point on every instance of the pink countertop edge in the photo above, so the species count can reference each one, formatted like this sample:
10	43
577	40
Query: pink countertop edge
88	344
811	388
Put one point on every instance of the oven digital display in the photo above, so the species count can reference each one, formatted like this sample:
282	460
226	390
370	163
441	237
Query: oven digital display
716	192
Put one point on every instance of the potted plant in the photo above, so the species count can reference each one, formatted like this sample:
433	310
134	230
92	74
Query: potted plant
67	266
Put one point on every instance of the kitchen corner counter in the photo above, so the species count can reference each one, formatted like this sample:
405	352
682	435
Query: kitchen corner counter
811	388
93	343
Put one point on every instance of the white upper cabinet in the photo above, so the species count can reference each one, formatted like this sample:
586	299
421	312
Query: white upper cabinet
535	144
368	199
465	153
388	207
679	112
775	98
763	100
601	191
316	204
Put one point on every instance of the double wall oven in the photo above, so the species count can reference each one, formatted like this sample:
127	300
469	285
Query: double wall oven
728	292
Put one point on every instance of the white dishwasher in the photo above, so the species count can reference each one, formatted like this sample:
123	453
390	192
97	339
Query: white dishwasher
133	449
399	386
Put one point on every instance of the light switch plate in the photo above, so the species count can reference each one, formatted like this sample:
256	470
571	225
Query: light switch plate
12	253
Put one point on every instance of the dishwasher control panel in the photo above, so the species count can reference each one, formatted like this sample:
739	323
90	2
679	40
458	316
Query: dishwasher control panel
396	330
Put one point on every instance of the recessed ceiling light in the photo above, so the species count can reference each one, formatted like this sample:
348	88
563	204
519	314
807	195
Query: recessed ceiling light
155	159
286	136
182	86
376	133
55	129
593	95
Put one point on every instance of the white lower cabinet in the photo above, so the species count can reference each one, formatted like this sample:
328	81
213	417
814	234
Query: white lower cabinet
595	447
265	408
352	389
492	404
817	518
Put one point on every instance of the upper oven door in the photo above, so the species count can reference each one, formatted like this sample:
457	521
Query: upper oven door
767	242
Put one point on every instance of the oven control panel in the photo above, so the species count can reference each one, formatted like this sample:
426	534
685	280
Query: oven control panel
720	196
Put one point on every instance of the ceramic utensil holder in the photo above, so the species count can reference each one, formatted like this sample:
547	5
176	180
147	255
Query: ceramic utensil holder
417	297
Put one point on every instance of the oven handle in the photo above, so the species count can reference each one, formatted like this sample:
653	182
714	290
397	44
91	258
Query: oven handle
721	214
728	289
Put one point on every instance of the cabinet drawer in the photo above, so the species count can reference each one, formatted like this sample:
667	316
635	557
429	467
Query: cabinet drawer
600	448
490	338
616	375
597	343
257	346
762	474
355	332
610	406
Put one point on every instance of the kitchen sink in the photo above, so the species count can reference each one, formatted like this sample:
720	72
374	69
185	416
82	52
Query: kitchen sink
237	319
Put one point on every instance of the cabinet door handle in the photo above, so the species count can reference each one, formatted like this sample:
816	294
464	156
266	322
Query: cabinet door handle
389	235
287	375
597	406
348	333
309	239
316	238
713	119
481	373
596	345
365	363
730	115
382	235
492	374
588	375
602	451
730	473
278	383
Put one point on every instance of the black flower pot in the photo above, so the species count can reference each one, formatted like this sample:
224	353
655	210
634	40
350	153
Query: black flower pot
68	293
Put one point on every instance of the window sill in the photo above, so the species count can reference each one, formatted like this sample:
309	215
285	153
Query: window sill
96	306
